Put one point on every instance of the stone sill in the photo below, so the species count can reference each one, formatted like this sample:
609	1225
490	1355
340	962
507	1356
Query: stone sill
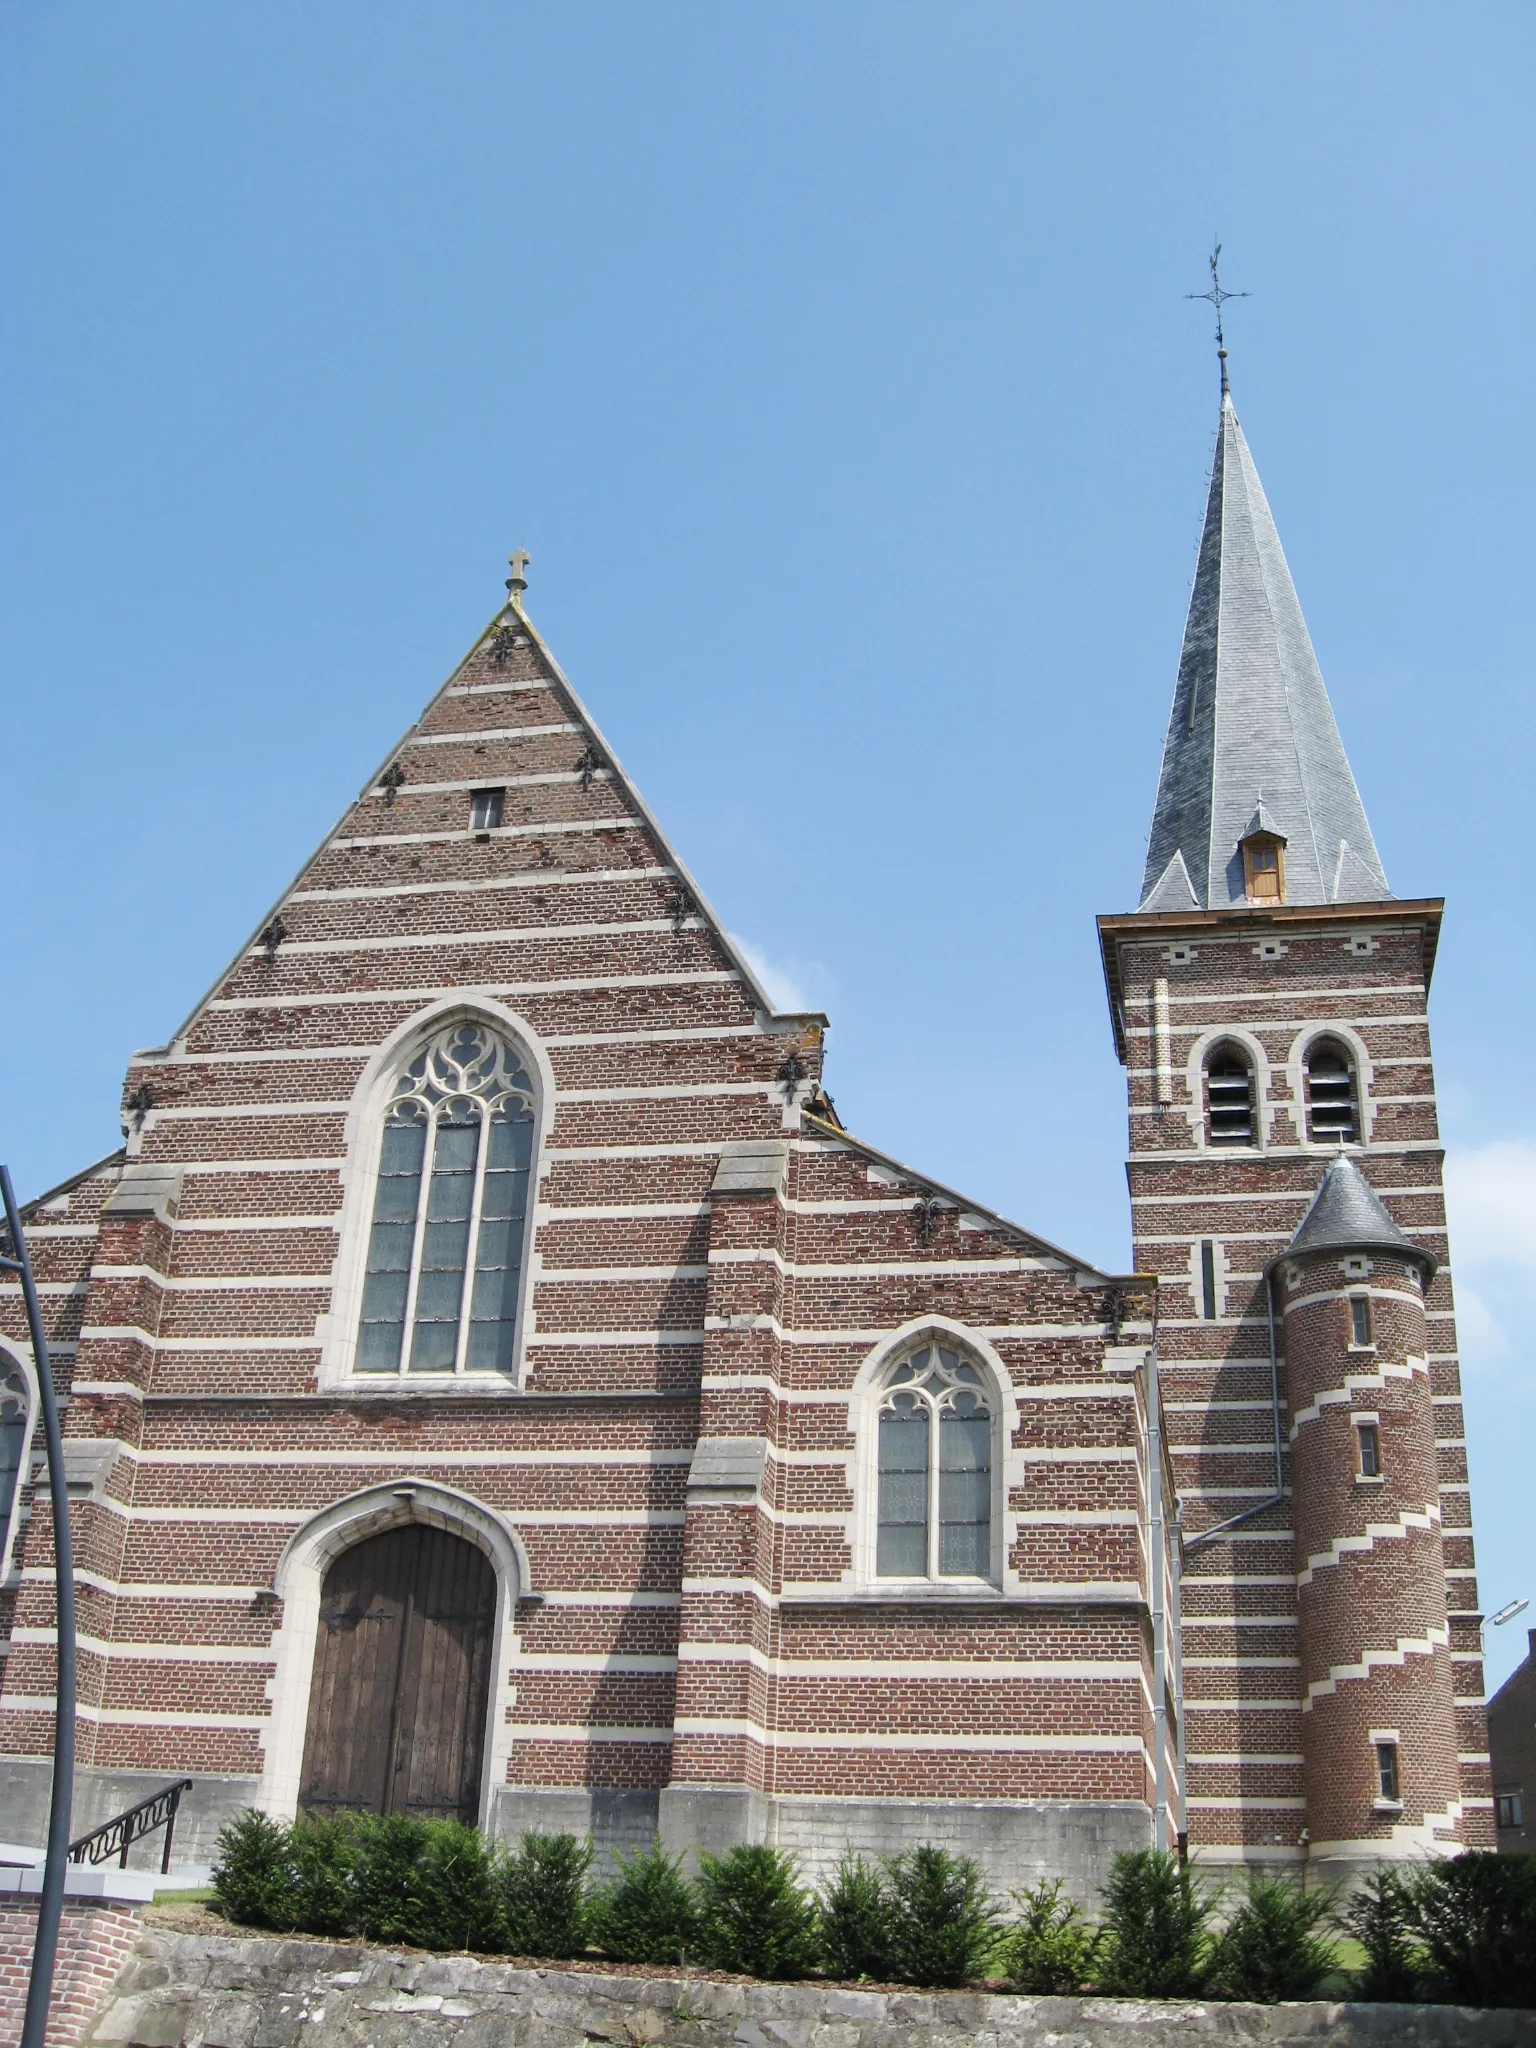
954	1596
351	1395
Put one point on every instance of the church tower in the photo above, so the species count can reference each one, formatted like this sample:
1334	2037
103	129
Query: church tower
1269	1003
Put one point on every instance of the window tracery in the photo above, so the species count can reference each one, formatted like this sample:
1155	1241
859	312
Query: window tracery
15	1404
936	1425
446	1246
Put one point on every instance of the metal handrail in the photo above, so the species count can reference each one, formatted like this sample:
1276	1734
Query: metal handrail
120	1833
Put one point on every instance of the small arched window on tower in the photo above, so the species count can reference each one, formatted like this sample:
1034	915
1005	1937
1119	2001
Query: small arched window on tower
1332	1115
450	1210
1229	1096
934	1512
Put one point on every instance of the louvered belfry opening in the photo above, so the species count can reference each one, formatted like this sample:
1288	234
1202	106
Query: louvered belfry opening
397	1704
1229	1097
1331	1117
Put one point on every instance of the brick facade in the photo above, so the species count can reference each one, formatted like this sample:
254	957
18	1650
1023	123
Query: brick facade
676	1478
676	1481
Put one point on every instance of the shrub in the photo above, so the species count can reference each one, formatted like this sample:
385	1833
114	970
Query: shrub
646	1914
943	1920
1381	1918
1271	1947
1156	1940
386	1849
427	1883
544	1902
1476	1915
1051	1951
754	1914
252	1879
856	1922
322	1863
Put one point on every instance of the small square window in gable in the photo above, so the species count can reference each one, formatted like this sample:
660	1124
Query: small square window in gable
485	809
1362	943
1179	956
1270	949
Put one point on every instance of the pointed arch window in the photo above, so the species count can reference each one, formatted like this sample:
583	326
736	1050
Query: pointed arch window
15	1407
1229	1097
1332	1113
936	1428
447	1245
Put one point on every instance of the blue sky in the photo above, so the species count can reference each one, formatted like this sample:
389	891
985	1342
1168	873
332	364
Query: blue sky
833	364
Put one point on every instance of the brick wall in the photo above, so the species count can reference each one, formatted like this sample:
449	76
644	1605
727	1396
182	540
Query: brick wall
94	1944
1272	983
203	1293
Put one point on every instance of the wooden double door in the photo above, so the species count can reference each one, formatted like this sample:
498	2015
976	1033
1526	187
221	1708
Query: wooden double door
397	1705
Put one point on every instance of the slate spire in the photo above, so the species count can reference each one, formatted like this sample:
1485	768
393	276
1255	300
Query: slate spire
1251	724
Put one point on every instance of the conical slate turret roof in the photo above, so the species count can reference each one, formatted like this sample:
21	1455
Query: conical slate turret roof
1347	1215
1251	725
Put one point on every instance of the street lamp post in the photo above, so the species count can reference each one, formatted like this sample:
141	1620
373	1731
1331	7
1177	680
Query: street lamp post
50	1905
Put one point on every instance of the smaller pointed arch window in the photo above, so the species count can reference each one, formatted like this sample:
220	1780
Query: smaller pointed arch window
15	1405
1229	1096
450	1210
936	1427
1332	1112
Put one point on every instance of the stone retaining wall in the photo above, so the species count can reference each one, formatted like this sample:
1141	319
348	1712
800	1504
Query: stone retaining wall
203	1991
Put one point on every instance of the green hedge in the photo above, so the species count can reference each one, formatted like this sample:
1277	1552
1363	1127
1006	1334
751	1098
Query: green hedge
1461	1931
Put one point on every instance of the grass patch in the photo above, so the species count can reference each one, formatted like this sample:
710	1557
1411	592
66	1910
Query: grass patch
199	1896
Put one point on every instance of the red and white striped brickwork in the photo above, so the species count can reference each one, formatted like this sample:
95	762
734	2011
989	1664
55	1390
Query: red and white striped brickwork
1259	1755
1372	1635
94	1943
199	1296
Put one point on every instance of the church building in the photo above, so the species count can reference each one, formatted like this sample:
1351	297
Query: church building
498	1386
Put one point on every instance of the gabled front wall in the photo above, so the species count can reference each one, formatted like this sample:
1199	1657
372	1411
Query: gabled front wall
656	1635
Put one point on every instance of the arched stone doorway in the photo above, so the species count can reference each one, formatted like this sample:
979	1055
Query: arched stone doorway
397	1702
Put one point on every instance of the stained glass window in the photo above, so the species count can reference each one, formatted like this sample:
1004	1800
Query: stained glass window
446	1248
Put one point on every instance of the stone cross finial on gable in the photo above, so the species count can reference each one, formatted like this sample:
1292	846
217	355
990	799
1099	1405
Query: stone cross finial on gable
517	582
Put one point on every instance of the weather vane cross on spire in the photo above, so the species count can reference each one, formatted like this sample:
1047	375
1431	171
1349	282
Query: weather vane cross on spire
1218	296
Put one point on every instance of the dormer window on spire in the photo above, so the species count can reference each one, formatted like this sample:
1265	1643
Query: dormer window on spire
1263	851
1264	870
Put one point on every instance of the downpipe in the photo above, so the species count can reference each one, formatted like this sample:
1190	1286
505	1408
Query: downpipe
1158	1599
1276	1498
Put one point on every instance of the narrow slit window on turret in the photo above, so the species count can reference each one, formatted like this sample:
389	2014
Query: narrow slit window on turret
1369	1444
1387	1775
485	808
1360	1321
1331	1114
1229	1097
1208	1279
